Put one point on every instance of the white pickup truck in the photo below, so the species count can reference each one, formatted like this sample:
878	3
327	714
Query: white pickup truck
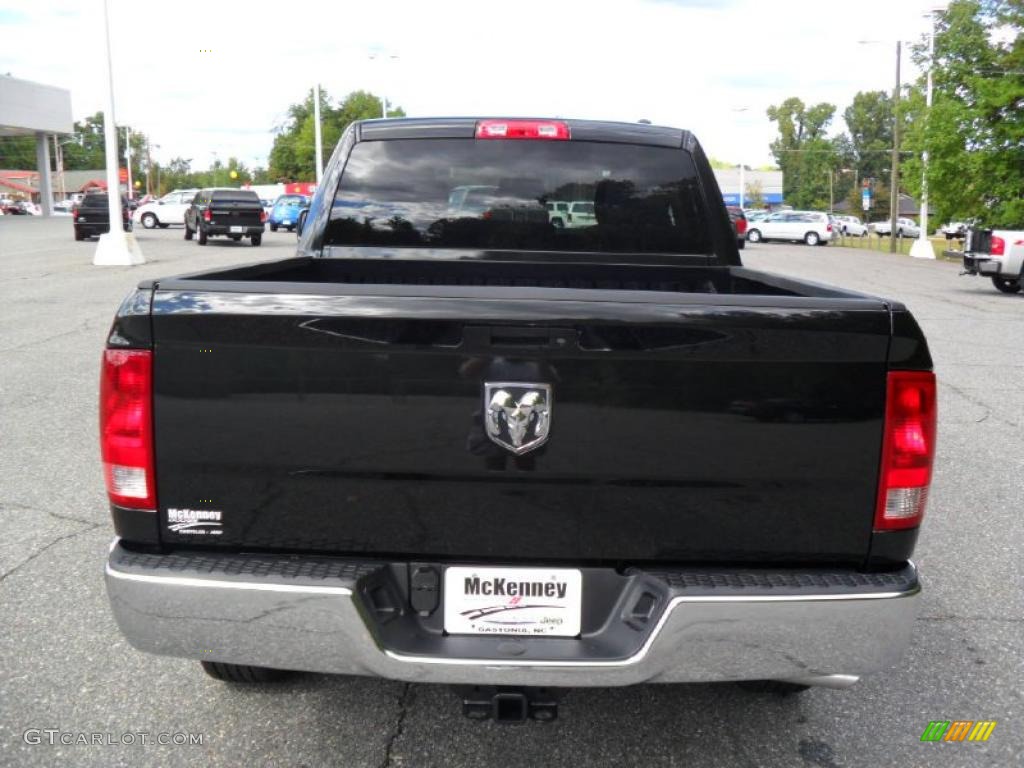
995	253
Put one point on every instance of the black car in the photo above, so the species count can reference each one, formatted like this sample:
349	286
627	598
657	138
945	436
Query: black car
234	213
91	216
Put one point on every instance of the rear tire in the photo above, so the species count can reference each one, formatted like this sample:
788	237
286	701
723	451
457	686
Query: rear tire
754	236
741	244
79	235
241	673
776	687
201	236
257	239
1006	286
812	238
273	227
188	233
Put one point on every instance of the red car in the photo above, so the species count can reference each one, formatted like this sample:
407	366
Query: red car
739	224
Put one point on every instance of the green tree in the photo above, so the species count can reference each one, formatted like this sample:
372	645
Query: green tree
974	132
753	195
293	155
18	153
804	152
869	120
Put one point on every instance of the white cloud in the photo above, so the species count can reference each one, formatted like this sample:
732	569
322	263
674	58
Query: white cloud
691	64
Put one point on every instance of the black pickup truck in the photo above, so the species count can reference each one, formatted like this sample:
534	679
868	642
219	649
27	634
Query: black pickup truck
473	447
91	216
234	213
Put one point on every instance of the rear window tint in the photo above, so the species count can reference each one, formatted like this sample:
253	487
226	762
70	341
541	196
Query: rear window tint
465	193
236	196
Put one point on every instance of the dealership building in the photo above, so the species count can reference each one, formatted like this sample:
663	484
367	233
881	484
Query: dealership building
764	184
42	111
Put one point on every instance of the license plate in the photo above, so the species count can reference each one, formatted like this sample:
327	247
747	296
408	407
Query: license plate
238	229
544	602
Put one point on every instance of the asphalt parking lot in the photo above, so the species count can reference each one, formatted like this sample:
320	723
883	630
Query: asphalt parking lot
64	666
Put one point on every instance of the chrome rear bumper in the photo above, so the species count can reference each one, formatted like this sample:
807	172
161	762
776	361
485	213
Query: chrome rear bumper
291	616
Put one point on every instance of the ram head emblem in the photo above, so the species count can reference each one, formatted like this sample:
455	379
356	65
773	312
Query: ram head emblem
517	415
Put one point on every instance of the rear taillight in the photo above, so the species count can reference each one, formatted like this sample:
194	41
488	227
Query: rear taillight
263	217
522	129
741	226
997	246
828	227
126	427
74	214
908	449
207	215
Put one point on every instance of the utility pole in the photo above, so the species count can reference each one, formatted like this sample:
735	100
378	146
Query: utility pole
894	184
128	157
742	185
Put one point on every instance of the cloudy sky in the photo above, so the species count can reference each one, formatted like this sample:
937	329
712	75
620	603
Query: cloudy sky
213	78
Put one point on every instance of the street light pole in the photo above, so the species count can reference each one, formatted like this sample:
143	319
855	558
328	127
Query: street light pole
894	184
116	247
318	137
383	99
922	248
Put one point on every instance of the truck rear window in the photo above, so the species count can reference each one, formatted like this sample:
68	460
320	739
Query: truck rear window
235	196
520	195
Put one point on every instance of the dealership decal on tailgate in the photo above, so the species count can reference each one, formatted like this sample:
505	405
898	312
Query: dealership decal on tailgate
512	601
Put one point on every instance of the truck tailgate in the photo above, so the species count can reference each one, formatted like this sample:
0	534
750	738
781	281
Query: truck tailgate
235	213
679	431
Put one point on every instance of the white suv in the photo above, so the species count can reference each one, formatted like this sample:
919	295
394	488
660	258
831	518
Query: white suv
169	209
812	227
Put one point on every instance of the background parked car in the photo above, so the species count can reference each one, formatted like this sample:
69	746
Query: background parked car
811	227
92	216
224	211
169	209
16	208
904	228
285	213
954	230
739	224
851	226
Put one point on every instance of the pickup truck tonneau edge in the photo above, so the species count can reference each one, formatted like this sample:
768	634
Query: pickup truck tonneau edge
456	442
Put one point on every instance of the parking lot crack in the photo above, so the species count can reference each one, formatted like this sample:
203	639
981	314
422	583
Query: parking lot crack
981	404
4	505
58	540
403	708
